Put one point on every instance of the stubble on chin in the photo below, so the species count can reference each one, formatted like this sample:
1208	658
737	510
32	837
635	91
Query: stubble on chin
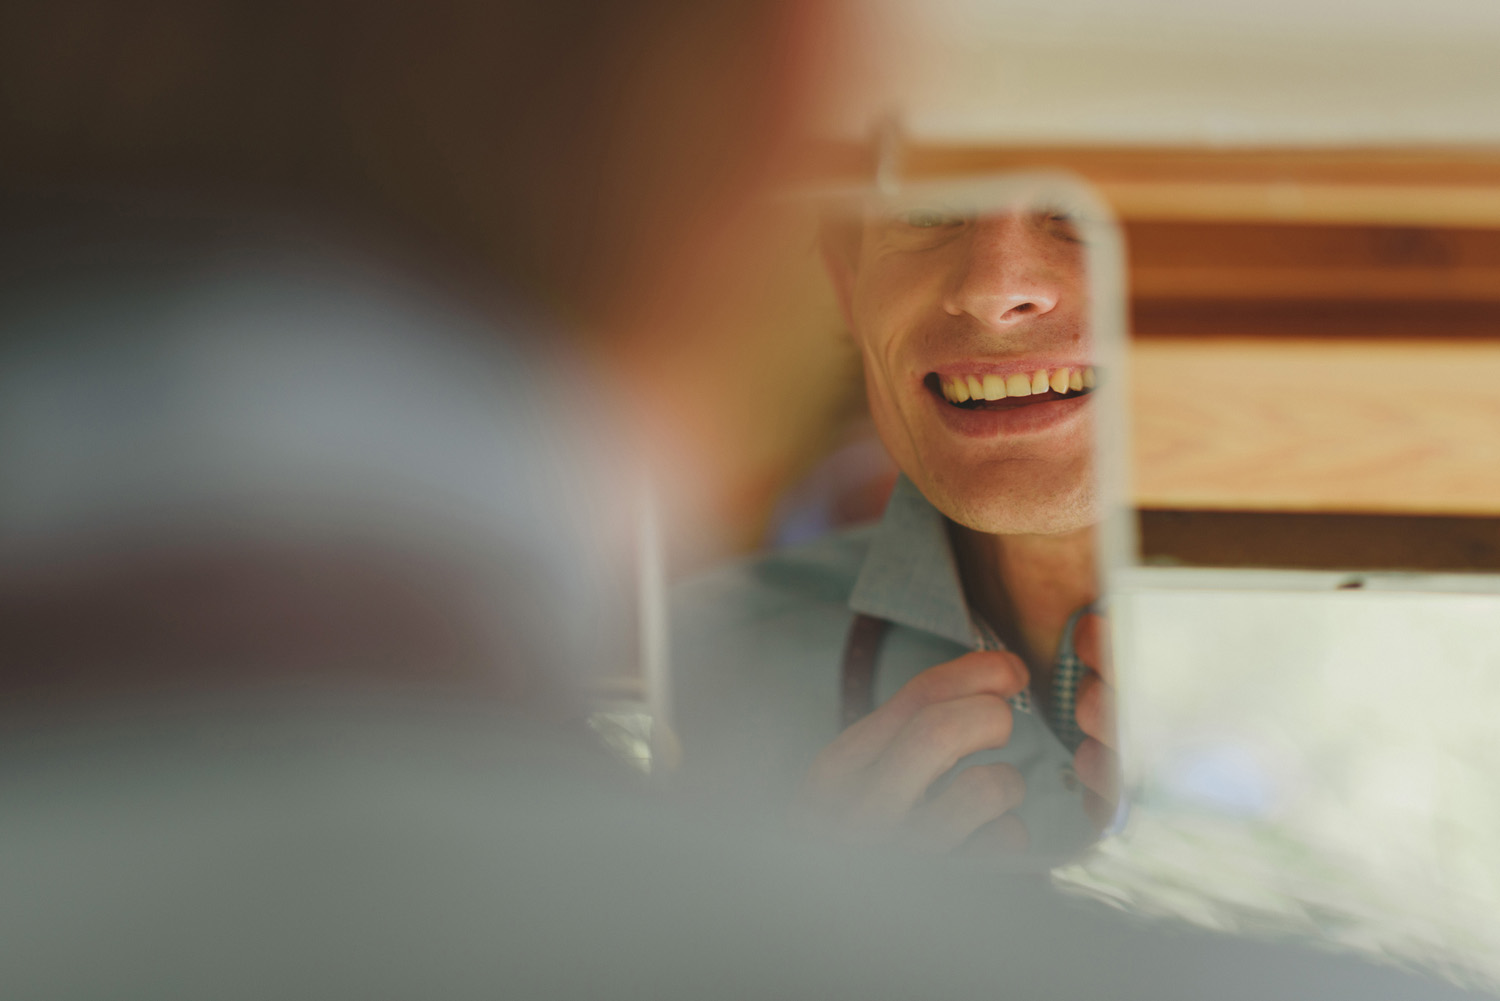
1009	510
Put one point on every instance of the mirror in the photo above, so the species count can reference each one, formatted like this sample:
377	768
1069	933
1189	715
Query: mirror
845	675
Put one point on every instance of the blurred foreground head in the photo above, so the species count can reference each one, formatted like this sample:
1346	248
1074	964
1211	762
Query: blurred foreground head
583	151
262	262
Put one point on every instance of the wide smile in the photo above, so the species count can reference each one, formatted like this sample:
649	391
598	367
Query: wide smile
1000	402
983	391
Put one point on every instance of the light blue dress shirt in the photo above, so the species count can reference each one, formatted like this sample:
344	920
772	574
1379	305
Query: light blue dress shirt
759	644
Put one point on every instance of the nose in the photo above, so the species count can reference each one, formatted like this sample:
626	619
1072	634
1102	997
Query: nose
1007	274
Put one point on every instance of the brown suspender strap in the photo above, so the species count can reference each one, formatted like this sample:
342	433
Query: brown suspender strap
861	649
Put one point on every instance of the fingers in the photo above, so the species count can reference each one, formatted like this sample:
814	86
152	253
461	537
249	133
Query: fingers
975	798
1100	811
1005	836
931	743
1094	708
1094	701
984	672
1098	769
868	781
1089	644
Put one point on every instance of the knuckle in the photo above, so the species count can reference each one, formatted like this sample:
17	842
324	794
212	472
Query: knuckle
996	671
1087	708
1001	723
998	787
1086	764
1020	677
1010	834
1096	766
952	729
919	689
1086	638
937	727
1006	672
1004	835
932	685
995	729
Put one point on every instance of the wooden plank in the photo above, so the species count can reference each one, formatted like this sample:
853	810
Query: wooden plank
1266	245
1303	202
1317	425
1440	167
1287	541
1313	262
1453	187
1367	319
1317	283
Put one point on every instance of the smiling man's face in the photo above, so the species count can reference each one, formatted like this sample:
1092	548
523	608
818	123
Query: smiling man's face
977	358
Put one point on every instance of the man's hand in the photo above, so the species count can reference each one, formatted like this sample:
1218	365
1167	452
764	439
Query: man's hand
874	783
1094	707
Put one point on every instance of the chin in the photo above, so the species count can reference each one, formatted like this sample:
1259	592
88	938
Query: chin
1010	512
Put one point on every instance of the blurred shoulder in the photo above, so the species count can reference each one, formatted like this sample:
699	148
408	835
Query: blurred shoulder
756	652
818	574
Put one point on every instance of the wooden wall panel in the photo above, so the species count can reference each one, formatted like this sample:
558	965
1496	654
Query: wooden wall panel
1395	187
1315	319
1450	187
1303	263
1284	541
1317	425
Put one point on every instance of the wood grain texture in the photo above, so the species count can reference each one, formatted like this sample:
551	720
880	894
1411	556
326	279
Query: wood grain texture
1451	187
1273	319
1306	263
1406	167
1317	425
1304	202
1303	541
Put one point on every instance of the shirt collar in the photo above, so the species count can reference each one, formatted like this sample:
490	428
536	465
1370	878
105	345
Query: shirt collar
910	575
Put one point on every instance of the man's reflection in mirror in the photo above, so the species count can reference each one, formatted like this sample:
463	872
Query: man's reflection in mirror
851	675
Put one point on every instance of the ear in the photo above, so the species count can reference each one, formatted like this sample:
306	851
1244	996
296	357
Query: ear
838	244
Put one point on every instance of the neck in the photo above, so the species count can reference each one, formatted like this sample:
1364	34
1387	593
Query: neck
1026	586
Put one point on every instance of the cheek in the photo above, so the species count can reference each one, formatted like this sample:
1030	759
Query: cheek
877	388
880	320
894	425
872	336
879	393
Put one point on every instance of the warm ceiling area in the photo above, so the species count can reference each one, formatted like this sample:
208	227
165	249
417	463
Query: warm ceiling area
1195	72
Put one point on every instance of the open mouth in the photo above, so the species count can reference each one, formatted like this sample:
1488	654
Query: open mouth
993	391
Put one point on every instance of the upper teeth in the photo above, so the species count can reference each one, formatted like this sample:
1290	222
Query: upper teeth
992	386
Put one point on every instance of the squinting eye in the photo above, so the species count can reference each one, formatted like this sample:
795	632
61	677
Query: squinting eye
1063	224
